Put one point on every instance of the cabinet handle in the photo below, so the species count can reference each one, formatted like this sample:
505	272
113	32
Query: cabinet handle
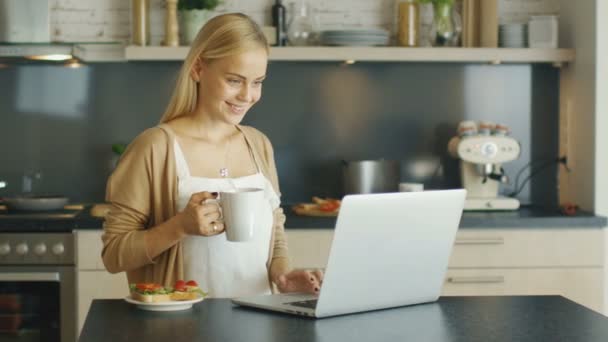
481	241
33	276
475	280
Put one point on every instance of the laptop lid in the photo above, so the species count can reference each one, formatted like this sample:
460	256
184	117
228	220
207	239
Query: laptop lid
390	250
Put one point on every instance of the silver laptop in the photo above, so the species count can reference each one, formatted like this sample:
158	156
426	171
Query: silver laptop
388	250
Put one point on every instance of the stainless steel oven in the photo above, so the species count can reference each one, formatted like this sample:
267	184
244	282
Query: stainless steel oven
37	287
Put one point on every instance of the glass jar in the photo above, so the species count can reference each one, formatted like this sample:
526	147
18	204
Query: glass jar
444	25
301	27
408	22
447	23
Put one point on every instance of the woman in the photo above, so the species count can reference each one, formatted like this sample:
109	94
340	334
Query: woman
162	227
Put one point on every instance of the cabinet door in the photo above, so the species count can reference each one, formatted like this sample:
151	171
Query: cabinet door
88	246
309	248
98	285
582	285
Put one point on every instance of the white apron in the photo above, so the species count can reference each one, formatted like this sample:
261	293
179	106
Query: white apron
223	268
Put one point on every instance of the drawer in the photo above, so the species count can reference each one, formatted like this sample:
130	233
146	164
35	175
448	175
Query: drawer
527	248
88	247
582	285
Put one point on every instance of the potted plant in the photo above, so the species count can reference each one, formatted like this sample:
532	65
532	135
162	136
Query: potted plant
193	15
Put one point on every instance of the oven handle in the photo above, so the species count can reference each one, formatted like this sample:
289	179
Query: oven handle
32	276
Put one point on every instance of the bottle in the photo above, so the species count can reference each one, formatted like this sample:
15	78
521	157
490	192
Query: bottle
140	22
407	23
278	21
171	28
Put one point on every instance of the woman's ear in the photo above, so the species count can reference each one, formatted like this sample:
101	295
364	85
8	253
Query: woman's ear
195	72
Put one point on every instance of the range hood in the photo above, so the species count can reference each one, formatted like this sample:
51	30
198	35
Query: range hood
38	51
86	52
25	34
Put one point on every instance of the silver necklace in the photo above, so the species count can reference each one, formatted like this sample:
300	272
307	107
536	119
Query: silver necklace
224	170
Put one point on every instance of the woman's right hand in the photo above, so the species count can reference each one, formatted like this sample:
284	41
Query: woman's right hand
202	217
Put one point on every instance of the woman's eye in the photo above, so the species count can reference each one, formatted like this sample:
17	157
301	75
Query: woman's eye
257	83
234	81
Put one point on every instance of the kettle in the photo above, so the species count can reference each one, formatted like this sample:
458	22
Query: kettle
370	176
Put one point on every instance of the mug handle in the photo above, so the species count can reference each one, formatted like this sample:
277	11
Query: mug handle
216	201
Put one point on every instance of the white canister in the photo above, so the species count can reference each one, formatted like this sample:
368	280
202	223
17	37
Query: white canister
542	32
411	187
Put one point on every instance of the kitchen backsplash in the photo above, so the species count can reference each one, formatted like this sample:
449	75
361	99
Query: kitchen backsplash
109	20
62	121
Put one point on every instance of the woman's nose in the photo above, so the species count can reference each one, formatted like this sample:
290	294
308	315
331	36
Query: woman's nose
245	94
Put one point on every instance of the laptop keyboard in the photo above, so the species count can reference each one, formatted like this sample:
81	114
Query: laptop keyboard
312	303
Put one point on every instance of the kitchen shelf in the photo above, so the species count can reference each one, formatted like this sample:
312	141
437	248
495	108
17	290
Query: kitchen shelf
378	54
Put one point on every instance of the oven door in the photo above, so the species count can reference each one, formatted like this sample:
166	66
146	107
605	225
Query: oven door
37	304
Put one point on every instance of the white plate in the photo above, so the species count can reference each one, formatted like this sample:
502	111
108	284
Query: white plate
174	305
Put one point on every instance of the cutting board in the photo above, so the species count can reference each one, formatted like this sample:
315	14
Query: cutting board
311	209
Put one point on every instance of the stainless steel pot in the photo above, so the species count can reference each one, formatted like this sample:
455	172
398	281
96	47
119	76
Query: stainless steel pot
371	176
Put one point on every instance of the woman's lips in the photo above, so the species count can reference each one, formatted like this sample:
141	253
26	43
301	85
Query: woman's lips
236	109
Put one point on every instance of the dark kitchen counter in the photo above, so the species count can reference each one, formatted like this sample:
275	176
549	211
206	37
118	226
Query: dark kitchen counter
454	319
525	217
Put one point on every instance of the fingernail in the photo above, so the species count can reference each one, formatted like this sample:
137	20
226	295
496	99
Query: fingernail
312	279
214	193
316	289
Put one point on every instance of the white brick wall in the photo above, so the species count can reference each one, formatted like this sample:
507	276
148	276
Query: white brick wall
109	20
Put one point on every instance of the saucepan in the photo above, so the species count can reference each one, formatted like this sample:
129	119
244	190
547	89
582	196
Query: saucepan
34	202
371	176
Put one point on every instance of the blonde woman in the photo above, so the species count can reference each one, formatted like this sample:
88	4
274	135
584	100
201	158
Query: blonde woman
161	228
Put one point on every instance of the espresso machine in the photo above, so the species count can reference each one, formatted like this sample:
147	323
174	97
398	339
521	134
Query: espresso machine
482	149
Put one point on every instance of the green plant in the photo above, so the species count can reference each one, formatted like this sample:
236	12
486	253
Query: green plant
437	2
119	148
197	4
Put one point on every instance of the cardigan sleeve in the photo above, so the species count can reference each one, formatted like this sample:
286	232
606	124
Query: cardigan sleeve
280	240
129	192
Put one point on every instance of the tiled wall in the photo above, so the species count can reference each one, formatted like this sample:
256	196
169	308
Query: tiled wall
404	111
109	20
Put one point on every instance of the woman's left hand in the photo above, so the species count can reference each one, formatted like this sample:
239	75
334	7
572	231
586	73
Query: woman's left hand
300	281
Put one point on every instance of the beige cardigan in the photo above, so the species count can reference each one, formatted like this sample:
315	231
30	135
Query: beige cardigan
142	192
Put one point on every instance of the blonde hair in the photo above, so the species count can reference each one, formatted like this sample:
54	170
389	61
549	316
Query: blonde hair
222	36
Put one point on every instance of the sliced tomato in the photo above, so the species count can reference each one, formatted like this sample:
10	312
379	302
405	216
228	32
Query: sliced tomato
329	206
147	286
191	283
180	285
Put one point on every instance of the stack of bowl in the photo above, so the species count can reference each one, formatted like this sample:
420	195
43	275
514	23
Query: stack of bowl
513	35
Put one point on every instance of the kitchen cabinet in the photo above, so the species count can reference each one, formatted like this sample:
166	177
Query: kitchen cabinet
92	279
484	261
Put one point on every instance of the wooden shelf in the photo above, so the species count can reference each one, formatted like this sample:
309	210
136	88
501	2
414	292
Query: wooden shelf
378	54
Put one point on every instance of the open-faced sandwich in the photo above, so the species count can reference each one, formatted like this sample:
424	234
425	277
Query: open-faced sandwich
156	293
149	293
189	290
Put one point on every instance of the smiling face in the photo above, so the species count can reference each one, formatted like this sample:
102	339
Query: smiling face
229	86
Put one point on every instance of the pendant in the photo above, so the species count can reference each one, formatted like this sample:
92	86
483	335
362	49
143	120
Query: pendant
224	172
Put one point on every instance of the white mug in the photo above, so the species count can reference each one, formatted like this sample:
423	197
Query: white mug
411	187
240	212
